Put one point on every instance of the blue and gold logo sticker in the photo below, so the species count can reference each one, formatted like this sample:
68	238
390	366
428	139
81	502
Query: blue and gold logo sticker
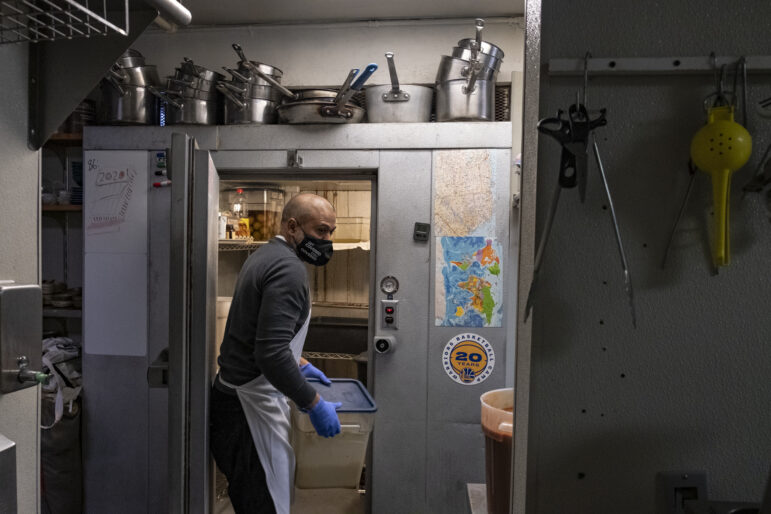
468	359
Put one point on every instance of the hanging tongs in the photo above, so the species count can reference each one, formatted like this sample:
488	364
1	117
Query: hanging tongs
396	94
338	108
573	134
475	65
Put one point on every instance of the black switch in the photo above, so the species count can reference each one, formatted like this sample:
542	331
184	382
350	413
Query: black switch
421	231
389	319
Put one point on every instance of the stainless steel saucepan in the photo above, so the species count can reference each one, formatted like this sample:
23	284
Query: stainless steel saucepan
465	81
328	110
398	103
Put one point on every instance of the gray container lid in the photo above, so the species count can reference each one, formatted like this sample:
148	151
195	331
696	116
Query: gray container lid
348	391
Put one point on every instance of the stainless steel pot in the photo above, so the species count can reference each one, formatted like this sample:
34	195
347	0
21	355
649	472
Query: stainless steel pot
328	110
136	106
146	75
192	111
181	89
398	103
485	47
244	91
455	102
251	111
454	68
254	72
487	60
193	70
247	73
317	112
130	59
196	82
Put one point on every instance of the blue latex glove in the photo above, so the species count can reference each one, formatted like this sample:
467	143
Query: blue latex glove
311	371
324	418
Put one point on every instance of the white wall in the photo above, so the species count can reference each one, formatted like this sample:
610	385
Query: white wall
690	388
322	55
19	255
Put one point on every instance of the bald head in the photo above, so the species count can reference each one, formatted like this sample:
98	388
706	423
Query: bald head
304	207
311	214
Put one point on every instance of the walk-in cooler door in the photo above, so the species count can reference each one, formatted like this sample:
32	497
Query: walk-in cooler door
192	300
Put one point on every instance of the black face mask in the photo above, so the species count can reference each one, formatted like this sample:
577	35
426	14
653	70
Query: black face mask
314	250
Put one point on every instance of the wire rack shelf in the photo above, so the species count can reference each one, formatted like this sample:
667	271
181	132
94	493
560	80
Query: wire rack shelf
32	21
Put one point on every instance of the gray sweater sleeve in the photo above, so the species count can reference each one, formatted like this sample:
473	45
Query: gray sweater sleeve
283	296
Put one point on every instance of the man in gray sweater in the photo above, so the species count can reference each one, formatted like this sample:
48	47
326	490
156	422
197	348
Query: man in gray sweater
260	362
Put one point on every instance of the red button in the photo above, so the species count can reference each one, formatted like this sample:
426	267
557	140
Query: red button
389	310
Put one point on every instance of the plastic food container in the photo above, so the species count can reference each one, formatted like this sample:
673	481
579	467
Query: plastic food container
335	461
497	425
263	206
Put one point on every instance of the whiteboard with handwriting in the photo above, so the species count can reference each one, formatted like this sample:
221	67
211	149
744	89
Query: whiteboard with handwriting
115	201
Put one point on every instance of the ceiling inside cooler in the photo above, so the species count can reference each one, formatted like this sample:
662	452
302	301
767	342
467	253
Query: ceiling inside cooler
244	12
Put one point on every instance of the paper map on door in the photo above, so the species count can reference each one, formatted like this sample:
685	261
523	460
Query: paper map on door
469	292
464	186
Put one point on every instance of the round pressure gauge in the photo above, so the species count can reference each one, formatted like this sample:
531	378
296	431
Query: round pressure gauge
389	285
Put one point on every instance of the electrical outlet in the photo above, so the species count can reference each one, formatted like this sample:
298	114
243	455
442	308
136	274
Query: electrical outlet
674	488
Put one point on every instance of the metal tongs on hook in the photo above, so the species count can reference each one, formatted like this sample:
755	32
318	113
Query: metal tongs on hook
572	132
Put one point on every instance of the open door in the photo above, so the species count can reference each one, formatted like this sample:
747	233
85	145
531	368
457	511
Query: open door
192	301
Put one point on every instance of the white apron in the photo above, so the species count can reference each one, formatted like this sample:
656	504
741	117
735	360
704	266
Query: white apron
267	413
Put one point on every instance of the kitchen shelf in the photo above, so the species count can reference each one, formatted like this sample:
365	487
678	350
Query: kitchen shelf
66	138
235	245
62	208
62	313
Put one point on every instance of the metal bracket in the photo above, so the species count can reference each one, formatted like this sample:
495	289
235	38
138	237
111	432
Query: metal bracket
399	96
332	111
293	160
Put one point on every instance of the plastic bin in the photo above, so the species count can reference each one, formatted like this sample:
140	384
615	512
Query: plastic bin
336	461
497	425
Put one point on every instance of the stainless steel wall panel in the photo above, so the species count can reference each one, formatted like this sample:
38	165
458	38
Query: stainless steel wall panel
159	206
250	159
398	440
337	159
145	138
364	136
115	434
453	425
456	454
7	475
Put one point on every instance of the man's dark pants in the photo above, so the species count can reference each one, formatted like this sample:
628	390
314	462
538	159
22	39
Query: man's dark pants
234	452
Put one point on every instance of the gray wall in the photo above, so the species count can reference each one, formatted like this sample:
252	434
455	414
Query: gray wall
19	251
322	55
691	387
